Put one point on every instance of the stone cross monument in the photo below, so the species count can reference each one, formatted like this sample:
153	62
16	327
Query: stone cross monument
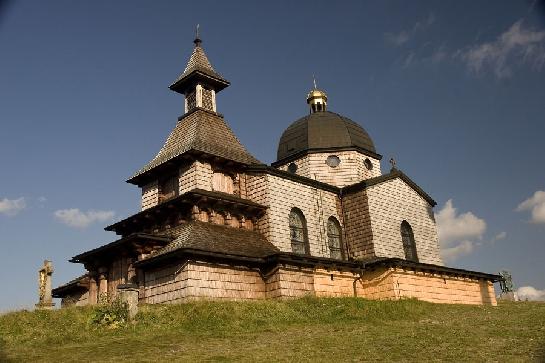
507	287
44	286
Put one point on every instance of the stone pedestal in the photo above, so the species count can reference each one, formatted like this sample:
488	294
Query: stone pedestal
129	293
508	296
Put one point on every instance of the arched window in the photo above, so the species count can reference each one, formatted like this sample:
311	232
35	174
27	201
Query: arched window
409	247
298	232
334	238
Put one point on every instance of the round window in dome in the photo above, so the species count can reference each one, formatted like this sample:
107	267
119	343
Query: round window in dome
292	168
333	161
368	164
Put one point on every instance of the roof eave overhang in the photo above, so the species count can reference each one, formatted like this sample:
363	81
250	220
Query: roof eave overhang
190	198
266	169
96	252
285	258
171	165
394	173
197	76
192	252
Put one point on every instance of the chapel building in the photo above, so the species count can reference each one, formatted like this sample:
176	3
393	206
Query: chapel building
216	223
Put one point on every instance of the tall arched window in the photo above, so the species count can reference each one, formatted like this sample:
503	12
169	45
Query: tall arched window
334	238
298	232
409	246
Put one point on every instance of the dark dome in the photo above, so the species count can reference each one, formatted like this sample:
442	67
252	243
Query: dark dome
323	130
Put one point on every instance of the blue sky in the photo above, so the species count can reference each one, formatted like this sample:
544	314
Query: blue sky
454	90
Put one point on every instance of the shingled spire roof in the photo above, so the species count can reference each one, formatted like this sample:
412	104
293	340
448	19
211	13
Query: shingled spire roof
200	131
199	67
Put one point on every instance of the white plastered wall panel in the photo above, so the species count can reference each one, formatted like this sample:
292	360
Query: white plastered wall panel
392	202
350	170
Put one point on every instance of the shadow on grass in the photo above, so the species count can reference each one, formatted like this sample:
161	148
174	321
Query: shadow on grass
540	353
3	356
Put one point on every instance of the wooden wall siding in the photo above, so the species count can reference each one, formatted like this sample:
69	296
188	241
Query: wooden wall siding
281	195
290	282
351	169
202	280
357	232
198	175
150	195
117	274
257	191
392	202
222	182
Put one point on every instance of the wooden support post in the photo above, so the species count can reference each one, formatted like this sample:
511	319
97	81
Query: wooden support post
102	283
93	289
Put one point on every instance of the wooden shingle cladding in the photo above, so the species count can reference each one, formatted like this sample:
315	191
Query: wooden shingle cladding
197	276
197	132
198	69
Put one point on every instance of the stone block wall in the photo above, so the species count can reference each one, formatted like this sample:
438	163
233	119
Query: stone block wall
443	289
397	283
202	280
281	195
350	171
382	283
392	202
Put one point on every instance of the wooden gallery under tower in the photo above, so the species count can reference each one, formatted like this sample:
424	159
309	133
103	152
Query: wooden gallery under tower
323	220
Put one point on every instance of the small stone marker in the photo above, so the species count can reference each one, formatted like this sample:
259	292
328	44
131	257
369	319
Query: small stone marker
128	293
44	286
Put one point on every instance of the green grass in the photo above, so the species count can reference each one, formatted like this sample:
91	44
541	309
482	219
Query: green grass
308	329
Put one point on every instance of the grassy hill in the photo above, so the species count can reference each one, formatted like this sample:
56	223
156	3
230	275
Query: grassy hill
309	329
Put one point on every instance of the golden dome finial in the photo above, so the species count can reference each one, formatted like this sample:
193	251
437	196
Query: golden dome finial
317	99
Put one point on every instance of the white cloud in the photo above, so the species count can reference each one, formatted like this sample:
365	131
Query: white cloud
535	204
530	293
460	249
409	60
404	36
78	219
500	235
439	55
457	232
11	207
517	44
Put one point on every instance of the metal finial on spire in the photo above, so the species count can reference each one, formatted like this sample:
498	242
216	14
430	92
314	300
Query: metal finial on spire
314	80
197	40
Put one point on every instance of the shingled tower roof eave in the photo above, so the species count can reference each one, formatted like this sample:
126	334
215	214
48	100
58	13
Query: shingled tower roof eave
199	131
198	68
